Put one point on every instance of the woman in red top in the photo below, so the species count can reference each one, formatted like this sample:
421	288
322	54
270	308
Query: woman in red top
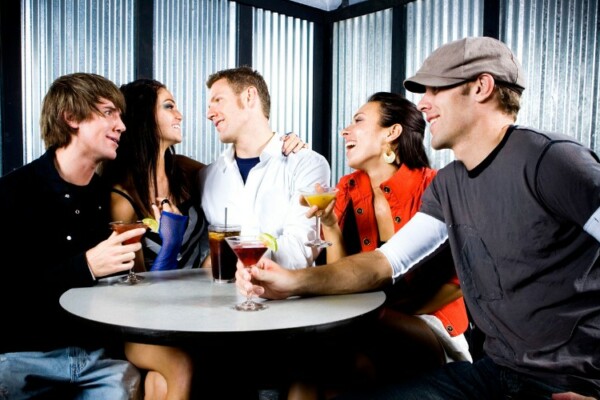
384	144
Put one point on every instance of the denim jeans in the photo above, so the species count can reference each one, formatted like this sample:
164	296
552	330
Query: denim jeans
70	372
462	381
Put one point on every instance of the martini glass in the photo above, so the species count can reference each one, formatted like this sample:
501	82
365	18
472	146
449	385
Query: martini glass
319	196
249	249
119	226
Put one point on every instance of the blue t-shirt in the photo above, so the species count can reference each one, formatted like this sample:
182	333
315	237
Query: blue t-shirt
245	165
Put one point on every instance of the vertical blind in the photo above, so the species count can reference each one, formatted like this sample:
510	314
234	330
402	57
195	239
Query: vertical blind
429	25
556	41
193	39
62	37
282	52
362	60
362	54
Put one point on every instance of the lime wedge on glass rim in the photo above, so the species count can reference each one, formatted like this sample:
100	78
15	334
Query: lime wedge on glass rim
151	223
269	241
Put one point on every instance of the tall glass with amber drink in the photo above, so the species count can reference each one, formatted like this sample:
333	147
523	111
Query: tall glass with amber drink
222	258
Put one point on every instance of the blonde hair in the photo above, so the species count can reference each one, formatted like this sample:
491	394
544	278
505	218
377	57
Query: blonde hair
509	99
241	78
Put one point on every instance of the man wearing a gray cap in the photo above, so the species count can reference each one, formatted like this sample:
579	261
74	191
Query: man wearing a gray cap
520	209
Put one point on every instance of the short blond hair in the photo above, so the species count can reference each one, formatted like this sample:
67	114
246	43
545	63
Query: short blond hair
509	100
242	77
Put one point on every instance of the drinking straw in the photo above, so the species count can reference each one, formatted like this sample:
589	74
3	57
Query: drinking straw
225	217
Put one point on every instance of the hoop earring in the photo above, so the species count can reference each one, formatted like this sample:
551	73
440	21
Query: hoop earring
389	156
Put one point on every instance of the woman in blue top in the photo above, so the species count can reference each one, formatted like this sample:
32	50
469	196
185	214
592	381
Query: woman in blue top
147	177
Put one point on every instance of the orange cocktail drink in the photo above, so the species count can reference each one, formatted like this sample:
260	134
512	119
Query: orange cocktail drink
321	200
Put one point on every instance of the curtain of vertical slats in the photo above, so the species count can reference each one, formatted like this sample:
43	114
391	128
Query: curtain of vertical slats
65	36
283	54
430	24
193	39
361	66
557	43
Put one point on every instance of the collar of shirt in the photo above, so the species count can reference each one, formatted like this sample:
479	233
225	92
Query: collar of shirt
272	149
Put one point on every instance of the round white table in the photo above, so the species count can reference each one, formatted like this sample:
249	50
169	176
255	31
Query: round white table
182	306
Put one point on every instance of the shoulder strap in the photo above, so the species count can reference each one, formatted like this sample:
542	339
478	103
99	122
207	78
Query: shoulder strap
137	210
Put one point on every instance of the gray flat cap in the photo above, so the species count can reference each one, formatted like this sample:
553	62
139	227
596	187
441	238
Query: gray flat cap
465	59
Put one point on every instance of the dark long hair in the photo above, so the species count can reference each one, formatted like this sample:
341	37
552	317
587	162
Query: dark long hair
395	109
139	149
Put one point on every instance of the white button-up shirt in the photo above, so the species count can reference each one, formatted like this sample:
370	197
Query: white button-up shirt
269	201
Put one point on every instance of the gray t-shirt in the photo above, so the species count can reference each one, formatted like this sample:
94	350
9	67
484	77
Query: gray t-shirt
529	273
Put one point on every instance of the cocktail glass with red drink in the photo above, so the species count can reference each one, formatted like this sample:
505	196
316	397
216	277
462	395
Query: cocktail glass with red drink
119	226
249	249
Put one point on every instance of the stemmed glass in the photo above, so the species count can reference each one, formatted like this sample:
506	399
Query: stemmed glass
319	196
119	226
249	249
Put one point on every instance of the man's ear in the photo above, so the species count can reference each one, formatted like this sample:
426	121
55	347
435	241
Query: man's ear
70	120
250	96
393	133
484	87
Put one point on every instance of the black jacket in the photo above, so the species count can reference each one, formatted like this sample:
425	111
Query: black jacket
48	226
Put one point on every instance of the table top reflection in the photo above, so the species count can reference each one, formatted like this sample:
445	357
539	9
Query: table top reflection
185	305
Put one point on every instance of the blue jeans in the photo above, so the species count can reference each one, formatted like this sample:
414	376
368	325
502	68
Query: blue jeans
70	372
463	380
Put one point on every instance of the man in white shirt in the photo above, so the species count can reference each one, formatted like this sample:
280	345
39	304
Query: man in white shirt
252	181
